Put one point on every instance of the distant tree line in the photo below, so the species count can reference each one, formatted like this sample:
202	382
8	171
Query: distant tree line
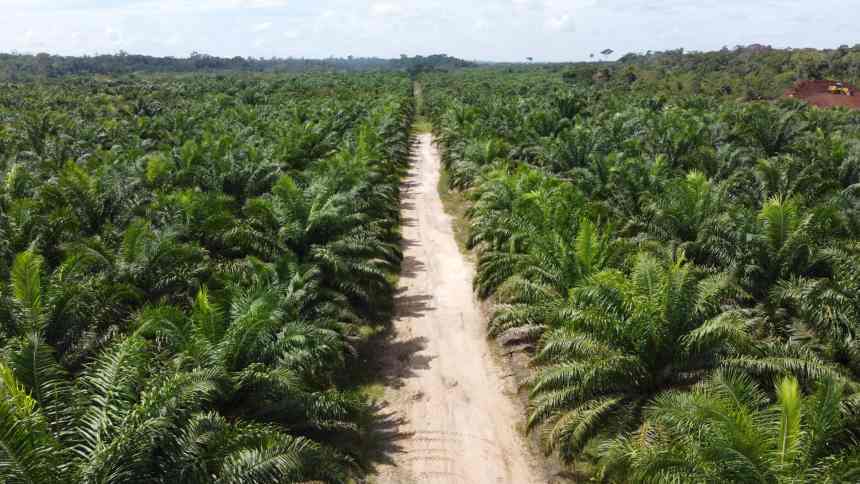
17	66
437	62
753	72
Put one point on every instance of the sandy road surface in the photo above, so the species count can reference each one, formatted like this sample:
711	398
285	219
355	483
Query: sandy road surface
454	417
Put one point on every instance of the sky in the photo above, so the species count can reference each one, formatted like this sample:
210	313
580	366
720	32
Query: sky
491	30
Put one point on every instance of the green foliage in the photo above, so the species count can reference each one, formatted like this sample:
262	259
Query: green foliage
725	430
187	266
157	167
622	342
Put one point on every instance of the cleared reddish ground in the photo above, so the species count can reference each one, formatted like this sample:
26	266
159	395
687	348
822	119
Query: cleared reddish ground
817	94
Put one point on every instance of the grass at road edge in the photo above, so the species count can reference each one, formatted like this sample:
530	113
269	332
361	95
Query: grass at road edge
421	125
455	204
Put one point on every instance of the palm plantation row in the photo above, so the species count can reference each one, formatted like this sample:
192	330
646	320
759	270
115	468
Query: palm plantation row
684	271
189	267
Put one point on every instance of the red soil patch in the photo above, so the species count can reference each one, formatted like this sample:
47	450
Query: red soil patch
817	94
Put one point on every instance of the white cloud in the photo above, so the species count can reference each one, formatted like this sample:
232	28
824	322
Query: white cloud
561	23
172	40
171	5
24	3
262	3
527	5
386	9
261	27
222	4
234	4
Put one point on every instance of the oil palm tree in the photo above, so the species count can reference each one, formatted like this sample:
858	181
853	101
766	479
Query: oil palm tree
146	260
622	343
101	282
772	129
113	424
509	206
827	307
726	430
686	214
62	306
320	228
535	296
784	240
280	369
572	148
681	136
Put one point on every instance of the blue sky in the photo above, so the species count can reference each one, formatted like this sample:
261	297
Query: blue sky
552	30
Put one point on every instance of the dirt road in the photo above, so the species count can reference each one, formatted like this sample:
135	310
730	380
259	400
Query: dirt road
455	419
